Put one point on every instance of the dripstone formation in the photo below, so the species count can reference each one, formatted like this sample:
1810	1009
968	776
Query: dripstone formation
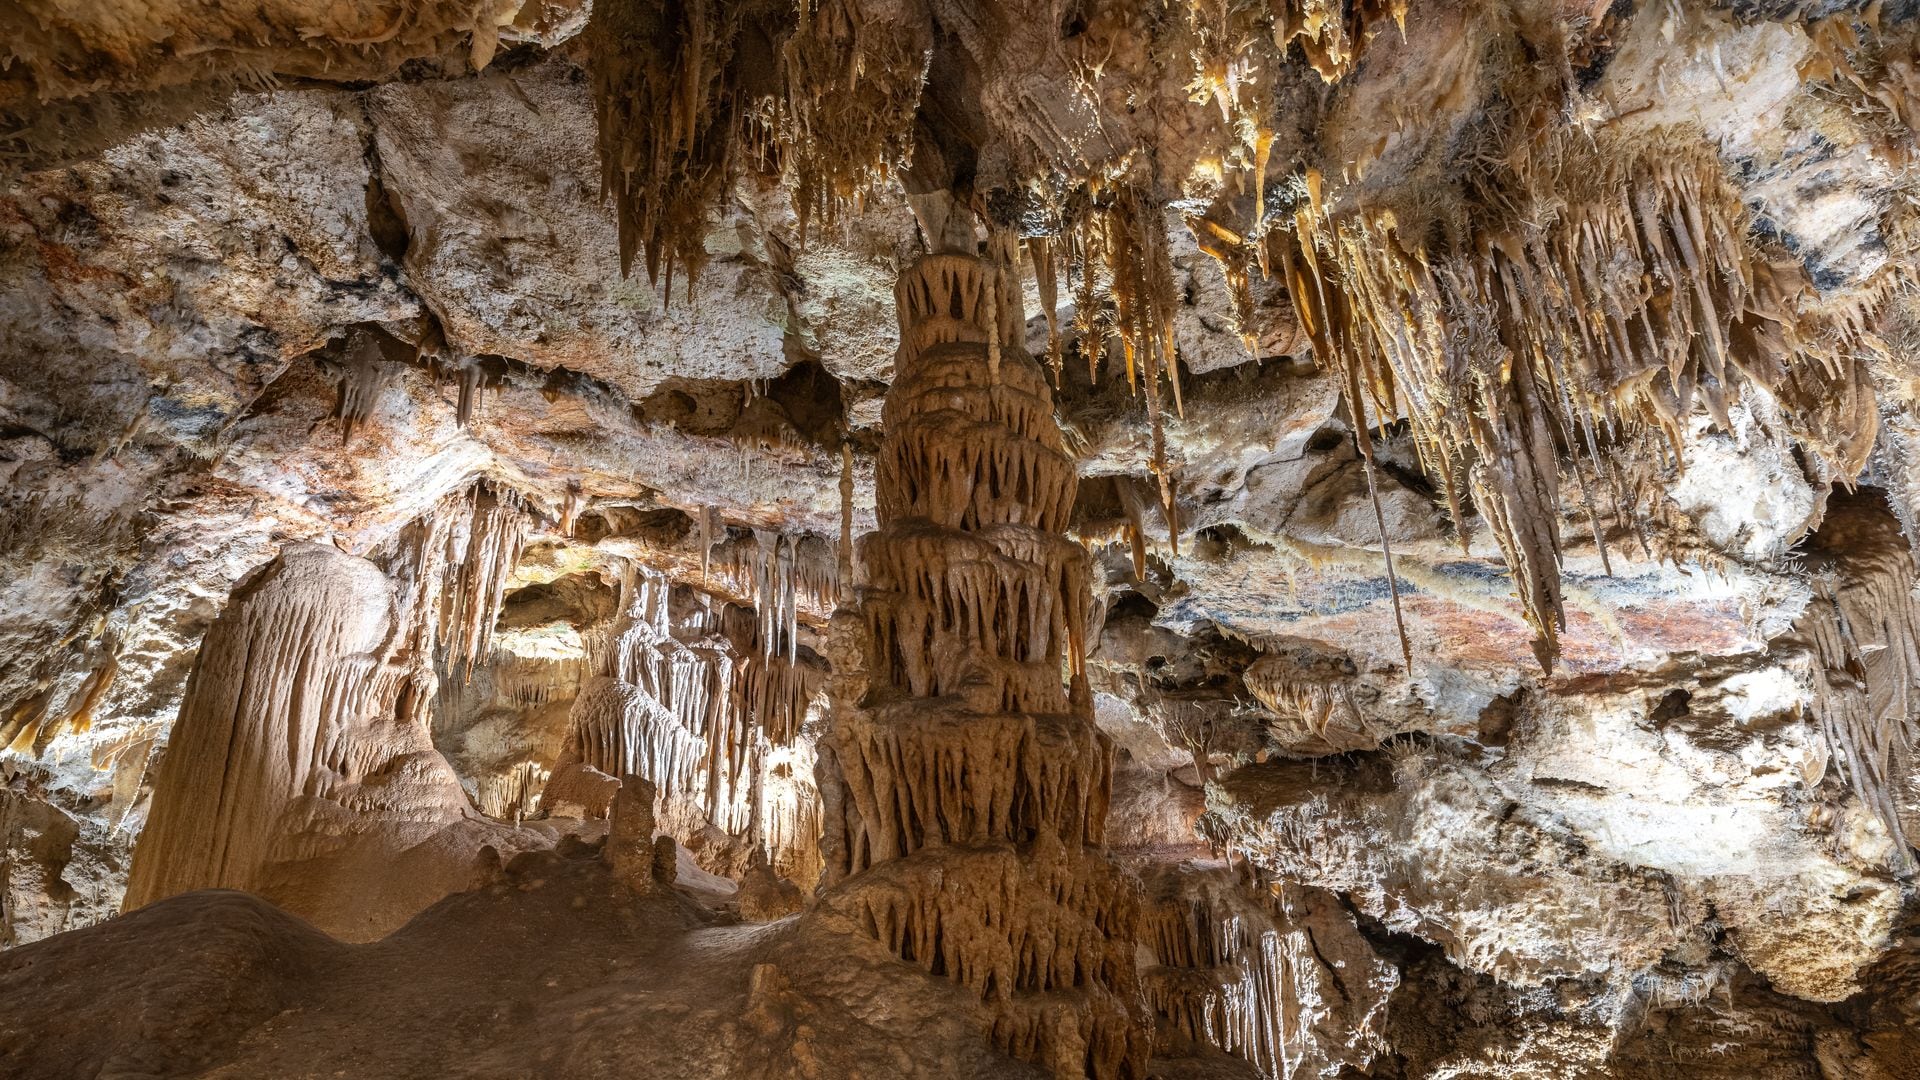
965	826
1388	539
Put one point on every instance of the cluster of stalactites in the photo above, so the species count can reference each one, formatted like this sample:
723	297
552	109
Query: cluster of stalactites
667	100
787	576
450	569
1627	297
676	701
677	86
1037	932
1125	298
1331	33
1313	706
1225	976
919	774
486	531
844	128
1863	629
365	376
513	794
988	615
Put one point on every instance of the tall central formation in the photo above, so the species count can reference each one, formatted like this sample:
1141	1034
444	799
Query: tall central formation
966	826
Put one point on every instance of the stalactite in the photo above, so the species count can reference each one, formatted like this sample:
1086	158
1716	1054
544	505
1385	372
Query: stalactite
964	787
843	551
1863	632
472	380
484	545
1235	256
1624	297
667	103
365	376
705	718
1230	973
853	77
1040	252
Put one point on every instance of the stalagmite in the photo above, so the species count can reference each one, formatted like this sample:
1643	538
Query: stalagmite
630	834
969	786
301	767
276	680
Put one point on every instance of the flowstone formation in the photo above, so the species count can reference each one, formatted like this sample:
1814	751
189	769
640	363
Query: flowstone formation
302	767
967	789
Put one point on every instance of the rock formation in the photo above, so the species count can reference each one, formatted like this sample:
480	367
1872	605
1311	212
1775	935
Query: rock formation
969	785
300	769
959	538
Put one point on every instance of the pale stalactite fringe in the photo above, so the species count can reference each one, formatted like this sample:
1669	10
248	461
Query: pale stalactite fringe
717	725
1863	633
1230	973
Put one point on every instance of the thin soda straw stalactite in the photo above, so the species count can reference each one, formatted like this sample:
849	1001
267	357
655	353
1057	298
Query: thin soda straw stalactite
1363	436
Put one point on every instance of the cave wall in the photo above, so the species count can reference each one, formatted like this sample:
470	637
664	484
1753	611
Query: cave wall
237	322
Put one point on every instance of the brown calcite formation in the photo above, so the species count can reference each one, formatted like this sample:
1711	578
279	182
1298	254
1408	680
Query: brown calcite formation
966	820
303	767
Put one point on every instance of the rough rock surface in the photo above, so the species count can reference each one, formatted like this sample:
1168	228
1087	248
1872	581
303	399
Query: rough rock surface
1594	322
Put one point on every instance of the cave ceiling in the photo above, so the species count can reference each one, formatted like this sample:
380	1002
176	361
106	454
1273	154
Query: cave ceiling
1494	423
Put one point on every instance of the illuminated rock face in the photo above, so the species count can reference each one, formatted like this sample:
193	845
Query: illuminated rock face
302	767
969	804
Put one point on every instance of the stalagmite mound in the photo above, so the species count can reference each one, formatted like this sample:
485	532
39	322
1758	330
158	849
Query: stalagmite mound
598	978
294	772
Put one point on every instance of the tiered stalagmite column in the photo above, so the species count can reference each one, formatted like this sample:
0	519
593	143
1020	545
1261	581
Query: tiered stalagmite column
966	795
